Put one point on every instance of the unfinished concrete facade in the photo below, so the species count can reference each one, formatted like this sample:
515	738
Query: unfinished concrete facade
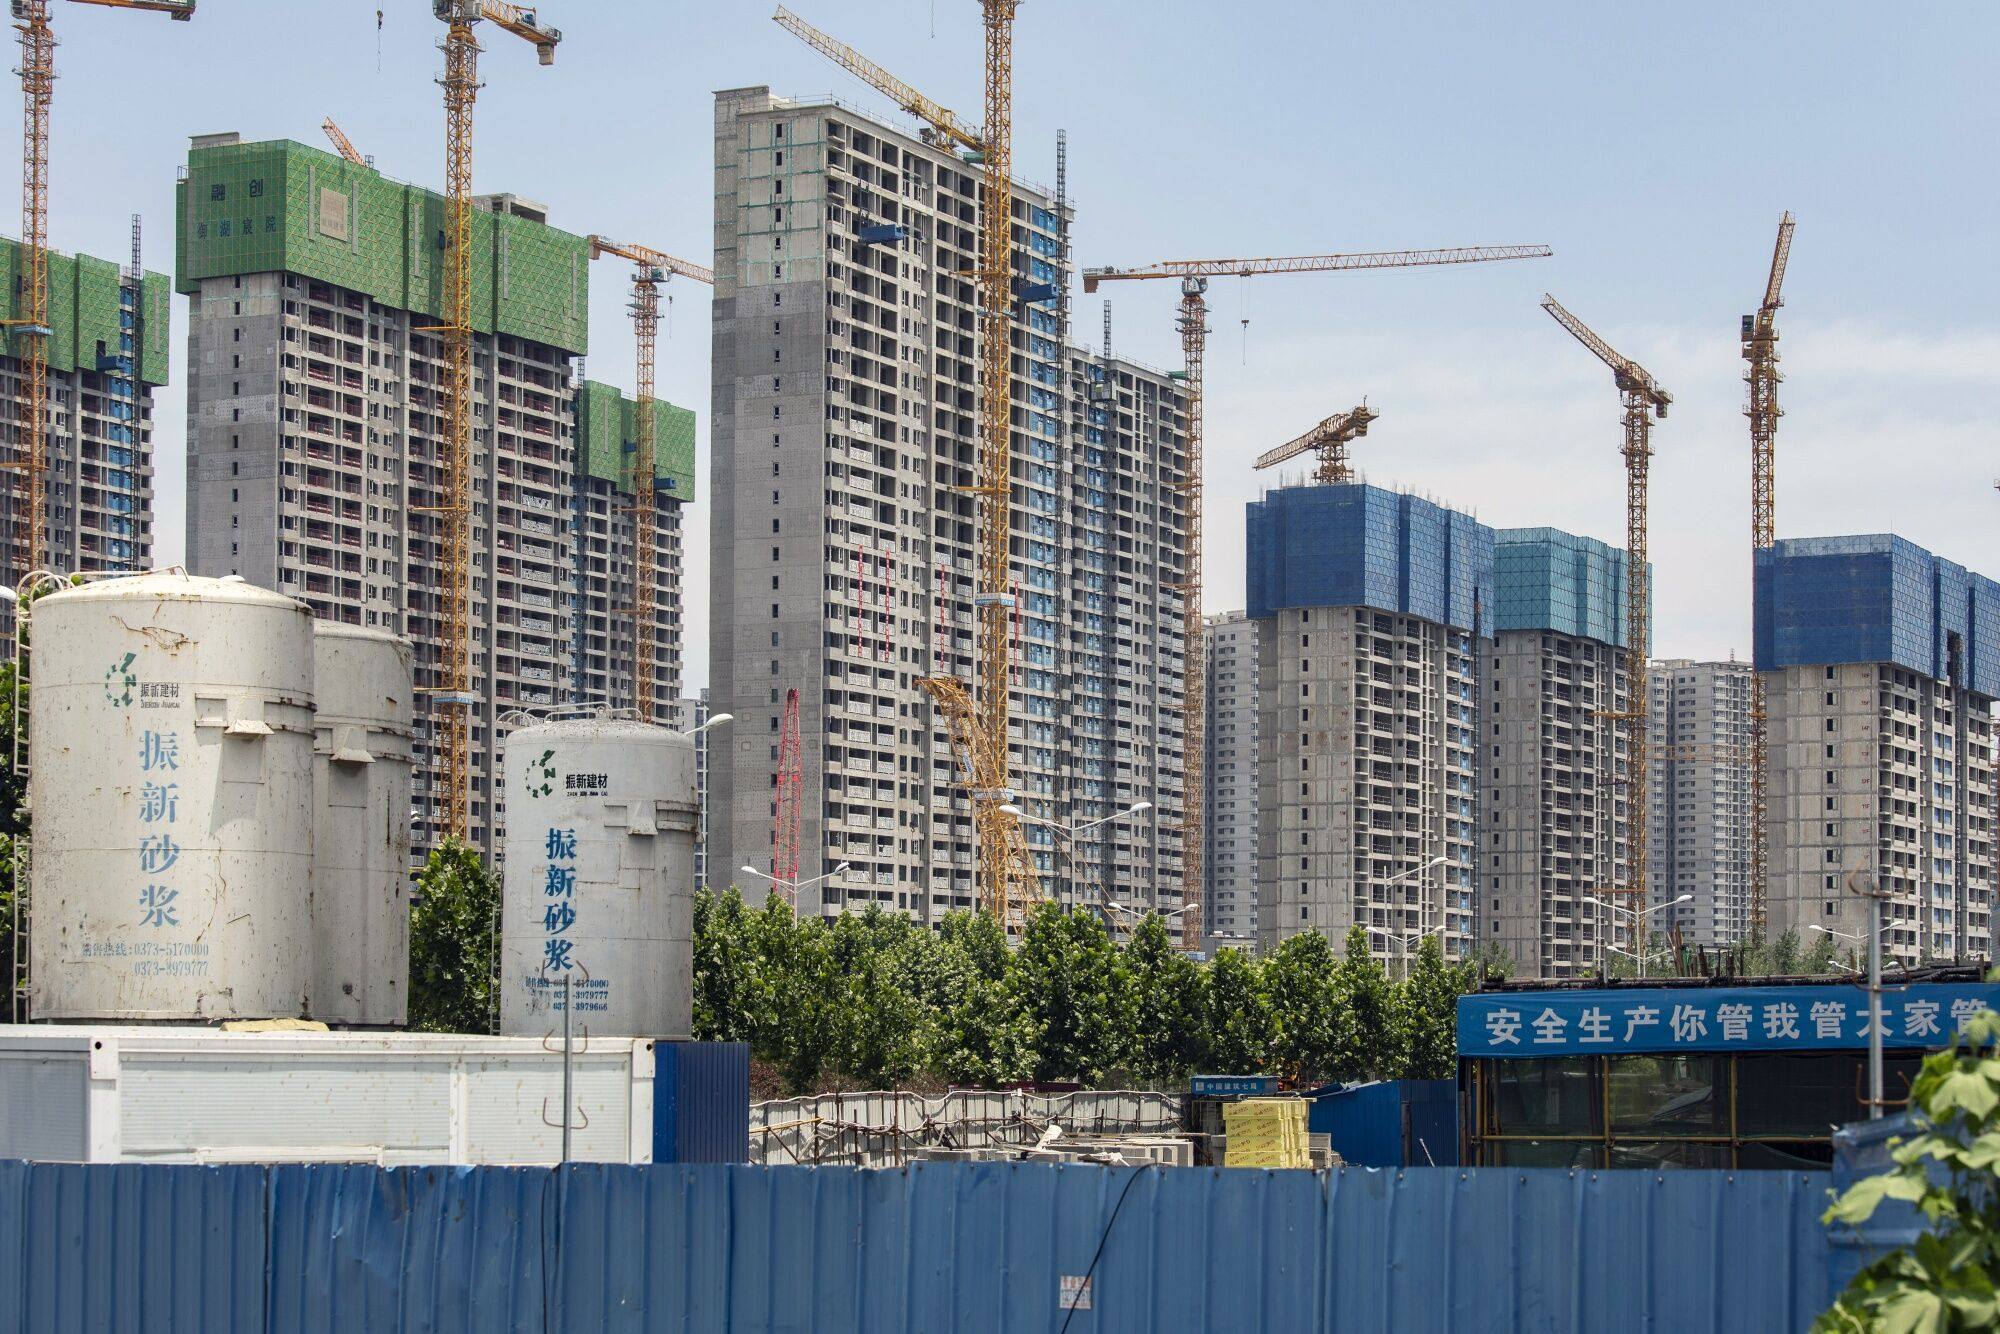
1229	867
1698	744
1554	828
1881	664
843	541
1367	681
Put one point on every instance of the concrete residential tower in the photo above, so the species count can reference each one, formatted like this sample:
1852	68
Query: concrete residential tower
1882	663
846	411
1229	868
1370	612
315	420
1553	767
1698	744
107	355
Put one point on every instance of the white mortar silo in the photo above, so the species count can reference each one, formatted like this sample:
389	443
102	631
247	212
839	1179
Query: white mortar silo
361	826
598	877
170	742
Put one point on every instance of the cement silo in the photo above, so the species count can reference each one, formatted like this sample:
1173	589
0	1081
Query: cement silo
170	741
598	877
361	826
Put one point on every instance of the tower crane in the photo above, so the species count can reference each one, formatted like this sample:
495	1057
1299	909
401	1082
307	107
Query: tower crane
943	124
1643	399
341	143
30	324
978	723
1760	350
1331	439
651	268
461	89
1193	325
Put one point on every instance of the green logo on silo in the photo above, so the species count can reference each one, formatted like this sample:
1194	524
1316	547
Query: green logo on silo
543	780
119	682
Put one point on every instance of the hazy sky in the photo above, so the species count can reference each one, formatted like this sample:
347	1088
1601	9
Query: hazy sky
1653	146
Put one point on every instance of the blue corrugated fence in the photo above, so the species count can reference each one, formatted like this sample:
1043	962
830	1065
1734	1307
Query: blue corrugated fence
959	1246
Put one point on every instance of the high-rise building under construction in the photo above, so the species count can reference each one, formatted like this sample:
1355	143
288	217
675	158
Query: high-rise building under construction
1698	794
107	352
316	420
1881	665
1554	825
844	537
1372	616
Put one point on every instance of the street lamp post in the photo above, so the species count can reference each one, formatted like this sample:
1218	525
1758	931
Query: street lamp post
1068	833
790	888
715	721
1398	878
1638	919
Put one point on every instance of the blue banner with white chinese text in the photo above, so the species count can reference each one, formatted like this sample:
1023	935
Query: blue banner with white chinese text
1576	1023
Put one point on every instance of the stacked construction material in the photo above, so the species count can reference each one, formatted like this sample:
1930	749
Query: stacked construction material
1266	1132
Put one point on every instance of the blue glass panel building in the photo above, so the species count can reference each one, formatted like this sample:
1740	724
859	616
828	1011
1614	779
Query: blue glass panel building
1880	662
1372	612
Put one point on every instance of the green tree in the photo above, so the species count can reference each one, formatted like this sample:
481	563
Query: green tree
454	930
1312	1023
799	1022
1379	1042
980	1039
878	1027
730	988
1430	1012
1822	956
1066	982
1950	1279
1166	1005
1238	1018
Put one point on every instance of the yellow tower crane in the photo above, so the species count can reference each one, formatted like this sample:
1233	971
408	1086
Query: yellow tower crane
1760	350
1193	324
651	268
27	548
978	723
1330	439
1643	399
454	695
943	124
341	143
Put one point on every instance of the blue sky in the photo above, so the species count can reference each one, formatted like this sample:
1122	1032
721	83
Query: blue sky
1653	146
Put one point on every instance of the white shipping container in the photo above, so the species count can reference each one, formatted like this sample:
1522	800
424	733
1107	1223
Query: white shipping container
101	1093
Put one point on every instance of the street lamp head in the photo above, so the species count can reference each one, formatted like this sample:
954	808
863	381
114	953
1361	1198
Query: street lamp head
1684	898
1010	809
840	869
1138	806
1438	861
715	721
751	870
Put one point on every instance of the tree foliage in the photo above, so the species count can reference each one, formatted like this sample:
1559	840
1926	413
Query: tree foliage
454	931
872	999
1950	1279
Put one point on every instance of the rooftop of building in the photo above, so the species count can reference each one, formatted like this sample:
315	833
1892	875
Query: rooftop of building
277	205
1876	598
1356	545
607	440
1547	579
85	314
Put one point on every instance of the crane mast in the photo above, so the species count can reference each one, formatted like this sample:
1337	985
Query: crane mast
1761	375
1192	321
651	268
30	325
1643	398
454	696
